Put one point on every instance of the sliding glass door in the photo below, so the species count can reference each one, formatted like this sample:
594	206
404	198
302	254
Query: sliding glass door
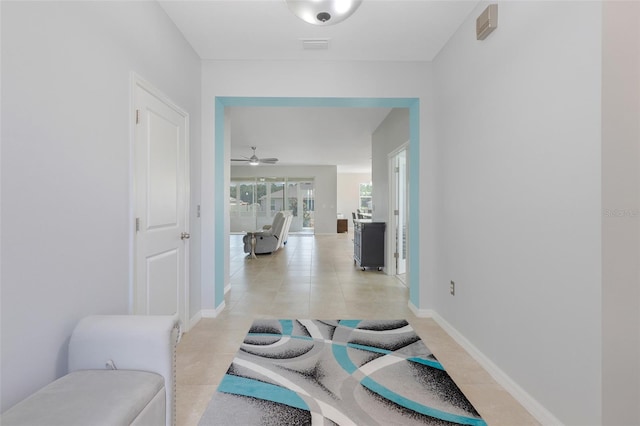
270	200
243	204
300	194
255	201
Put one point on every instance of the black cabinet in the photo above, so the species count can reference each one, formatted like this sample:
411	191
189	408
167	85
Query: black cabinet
368	244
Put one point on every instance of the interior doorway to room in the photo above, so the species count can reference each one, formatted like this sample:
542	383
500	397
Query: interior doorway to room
161	205
398	213
219	241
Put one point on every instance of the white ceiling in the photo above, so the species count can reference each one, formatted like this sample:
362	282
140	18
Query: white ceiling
307	136
384	30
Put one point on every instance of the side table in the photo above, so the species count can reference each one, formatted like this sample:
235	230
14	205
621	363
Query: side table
252	235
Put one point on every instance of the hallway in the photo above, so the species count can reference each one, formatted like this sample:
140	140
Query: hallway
314	277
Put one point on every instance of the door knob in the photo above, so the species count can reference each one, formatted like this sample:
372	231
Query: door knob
185	236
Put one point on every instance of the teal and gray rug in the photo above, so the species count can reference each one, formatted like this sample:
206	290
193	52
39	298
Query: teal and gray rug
342	372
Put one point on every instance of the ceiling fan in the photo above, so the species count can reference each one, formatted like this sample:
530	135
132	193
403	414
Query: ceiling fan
254	160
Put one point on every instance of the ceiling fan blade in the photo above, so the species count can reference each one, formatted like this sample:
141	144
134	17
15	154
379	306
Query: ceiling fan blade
268	160
253	160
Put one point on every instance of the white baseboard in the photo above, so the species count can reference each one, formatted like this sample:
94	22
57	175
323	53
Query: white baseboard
194	320
537	410
205	313
421	313
212	313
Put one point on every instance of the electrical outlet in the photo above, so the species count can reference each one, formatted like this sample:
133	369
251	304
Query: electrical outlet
452	288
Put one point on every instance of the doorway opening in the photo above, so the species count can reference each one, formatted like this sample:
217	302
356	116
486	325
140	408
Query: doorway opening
220	224
398	213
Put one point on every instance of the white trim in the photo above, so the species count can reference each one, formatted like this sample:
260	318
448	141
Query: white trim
194	320
421	313
144	84
537	410
212	313
227	288
390	235
132	193
137	81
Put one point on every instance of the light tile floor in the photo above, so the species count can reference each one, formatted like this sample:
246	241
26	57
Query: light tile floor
314	277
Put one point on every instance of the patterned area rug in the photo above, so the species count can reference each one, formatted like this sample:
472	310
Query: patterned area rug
342	372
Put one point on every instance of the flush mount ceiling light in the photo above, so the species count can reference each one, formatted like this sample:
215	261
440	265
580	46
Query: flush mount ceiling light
323	12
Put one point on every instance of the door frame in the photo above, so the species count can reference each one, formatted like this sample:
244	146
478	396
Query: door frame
393	193
215	241
136	81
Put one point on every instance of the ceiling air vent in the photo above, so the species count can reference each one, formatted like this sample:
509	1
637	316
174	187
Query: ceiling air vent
315	43
487	22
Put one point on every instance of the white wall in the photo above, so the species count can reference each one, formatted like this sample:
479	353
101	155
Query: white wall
324	183
621	213
516	170
349	193
518	129
392	133
66	176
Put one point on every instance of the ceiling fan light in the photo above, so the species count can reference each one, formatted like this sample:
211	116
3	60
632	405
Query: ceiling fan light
323	12
254	160
343	6
308	17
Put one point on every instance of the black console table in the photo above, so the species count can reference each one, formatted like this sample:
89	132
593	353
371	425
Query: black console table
368	244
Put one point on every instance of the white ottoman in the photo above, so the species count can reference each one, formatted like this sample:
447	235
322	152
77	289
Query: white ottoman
94	397
121	372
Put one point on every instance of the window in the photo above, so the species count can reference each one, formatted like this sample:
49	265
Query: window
365	197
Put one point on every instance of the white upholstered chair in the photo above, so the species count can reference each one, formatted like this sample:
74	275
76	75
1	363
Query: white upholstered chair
271	238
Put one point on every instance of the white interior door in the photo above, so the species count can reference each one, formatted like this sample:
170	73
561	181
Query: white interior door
161	207
398	212
401	208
